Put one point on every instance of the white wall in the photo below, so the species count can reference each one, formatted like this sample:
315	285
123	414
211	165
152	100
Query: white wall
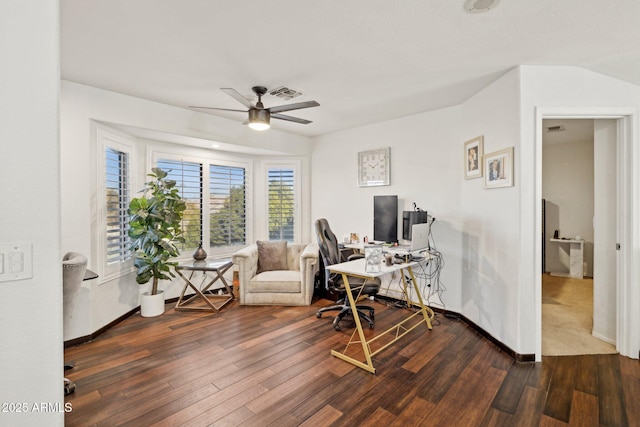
82	109
567	182
476	229
31	314
490	218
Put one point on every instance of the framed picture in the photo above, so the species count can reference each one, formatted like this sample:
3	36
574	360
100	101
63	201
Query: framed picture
499	169
473	151
373	167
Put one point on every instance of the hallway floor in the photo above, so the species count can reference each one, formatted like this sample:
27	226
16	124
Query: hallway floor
567	318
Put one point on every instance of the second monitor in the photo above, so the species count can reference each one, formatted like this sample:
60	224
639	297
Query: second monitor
409	218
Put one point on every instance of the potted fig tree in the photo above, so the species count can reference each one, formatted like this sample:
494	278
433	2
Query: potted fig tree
155	229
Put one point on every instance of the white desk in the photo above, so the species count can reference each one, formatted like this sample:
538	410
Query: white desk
392	289
356	268
576	250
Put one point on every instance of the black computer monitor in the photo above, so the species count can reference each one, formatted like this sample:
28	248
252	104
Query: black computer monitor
385	219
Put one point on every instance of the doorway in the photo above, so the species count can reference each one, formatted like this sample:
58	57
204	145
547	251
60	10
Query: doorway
579	231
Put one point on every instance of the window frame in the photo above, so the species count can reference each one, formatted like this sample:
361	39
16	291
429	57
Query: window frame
108	140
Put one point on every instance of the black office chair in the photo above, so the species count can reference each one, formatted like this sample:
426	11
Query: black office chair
330	254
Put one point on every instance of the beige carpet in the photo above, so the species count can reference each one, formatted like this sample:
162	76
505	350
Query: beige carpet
567	318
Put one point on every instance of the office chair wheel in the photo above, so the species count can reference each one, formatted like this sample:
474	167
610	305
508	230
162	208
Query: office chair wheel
69	387
370	325
318	315
336	327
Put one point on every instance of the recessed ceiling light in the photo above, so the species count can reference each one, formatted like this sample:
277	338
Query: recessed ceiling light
215	145
479	6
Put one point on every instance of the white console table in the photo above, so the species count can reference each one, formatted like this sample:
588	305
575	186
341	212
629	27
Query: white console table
576	250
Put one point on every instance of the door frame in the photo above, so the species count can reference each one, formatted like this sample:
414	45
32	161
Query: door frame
628	219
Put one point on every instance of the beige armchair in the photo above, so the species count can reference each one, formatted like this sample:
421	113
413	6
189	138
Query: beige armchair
290	283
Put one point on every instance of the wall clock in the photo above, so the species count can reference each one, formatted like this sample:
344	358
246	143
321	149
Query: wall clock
373	167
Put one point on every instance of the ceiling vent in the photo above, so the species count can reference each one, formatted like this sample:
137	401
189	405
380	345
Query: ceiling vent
285	93
558	128
480	6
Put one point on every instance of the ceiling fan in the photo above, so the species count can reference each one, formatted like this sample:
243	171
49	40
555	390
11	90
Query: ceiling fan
259	116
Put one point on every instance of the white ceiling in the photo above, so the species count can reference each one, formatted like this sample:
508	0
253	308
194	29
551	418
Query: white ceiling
364	61
572	131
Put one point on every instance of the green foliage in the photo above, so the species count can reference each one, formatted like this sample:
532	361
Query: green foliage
227	223
154	221
191	225
281	211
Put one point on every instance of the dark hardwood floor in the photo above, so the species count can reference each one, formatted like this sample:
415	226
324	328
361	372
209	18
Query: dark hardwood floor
260	366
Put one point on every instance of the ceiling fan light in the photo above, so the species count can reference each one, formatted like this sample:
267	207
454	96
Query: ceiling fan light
259	126
259	119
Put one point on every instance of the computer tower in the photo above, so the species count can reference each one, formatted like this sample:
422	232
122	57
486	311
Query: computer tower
409	218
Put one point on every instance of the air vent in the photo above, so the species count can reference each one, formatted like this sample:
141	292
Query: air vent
480	6
285	93
558	128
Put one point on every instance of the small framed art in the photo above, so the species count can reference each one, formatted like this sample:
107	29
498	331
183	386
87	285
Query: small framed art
498	168
473	152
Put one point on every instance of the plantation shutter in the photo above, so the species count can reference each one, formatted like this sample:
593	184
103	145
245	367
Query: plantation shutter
281	204
227	206
188	178
117	200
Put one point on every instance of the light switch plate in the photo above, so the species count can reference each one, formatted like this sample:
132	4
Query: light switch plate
16	261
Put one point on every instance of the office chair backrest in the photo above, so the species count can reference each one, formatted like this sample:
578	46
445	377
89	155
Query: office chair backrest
327	243
74	266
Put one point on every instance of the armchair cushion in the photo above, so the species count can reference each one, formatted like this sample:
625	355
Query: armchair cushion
271	256
277	281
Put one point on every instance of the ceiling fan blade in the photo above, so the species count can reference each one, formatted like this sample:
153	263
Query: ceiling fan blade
238	97
220	109
296	106
290	119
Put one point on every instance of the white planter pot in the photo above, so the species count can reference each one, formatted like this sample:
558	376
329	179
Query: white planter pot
152	305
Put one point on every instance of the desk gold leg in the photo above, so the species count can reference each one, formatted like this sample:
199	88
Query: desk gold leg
427	313
368	366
